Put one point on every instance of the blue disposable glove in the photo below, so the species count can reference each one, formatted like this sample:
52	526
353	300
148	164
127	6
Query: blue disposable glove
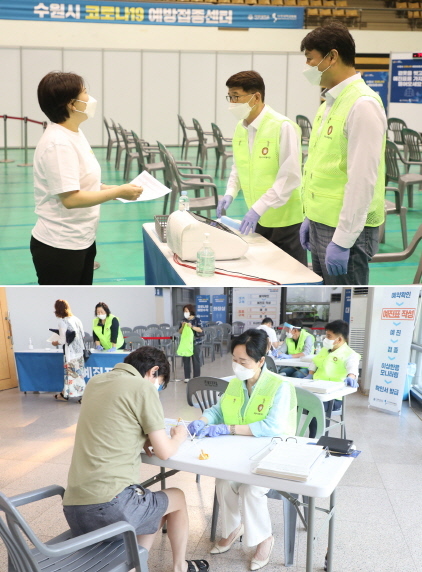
283	356
100	347
309	376
223	204
249	222
195	427
215	431
111	350
336	259
304	234
351	382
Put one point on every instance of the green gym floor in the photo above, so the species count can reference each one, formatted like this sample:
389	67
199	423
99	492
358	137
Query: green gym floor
119	237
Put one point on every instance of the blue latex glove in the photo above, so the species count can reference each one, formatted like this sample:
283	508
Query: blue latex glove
283	356
351	382
249	222
195	427
304	234
336	259
215	431
100	347
111	350
223	204
309	376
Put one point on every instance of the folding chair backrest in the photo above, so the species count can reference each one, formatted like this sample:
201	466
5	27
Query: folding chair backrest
140	151
125	138
153	326
205	391
182	125
139	330
116	131
169	175
413	142
107	126
310	402
396	126
237	328
199	131
270	363
392	156
218	136
126	329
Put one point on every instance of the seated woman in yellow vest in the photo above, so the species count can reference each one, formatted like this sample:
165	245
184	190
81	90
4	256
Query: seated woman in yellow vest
106	330
298	344
335	362
256	402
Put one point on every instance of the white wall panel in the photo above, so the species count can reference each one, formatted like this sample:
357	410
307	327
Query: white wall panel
227	65
197	89
36	63
302	97
122	89
273	68
88	64
160	97
10	96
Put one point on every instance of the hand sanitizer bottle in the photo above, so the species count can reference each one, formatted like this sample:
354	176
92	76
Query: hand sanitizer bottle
30	346
205	259
184	201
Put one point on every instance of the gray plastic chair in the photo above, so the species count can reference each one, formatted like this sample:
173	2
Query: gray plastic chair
120	144
146	157
222	143
134	341
405	181
270	363
237	328
203	146
139	330
305	127
92	552
186	140
310	402
126	330
395	208
111	141
396	126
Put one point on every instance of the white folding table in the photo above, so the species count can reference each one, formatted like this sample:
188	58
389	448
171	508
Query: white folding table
292	362
230	458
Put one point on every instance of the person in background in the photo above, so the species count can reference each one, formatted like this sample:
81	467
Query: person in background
266	166
121	414
298	344
106	330
344	176
190	320
67	185
257	403
268	326
335	362
70	328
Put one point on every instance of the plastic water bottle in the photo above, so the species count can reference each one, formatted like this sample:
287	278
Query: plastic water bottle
30	346
205	259
184	201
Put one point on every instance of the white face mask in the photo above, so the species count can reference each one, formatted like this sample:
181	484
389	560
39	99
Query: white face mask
241	110
289	335
329	344
101	316
91	105
241	372
313	74
186	314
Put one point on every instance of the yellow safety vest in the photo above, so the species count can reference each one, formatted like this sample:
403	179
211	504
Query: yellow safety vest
104	338
298	349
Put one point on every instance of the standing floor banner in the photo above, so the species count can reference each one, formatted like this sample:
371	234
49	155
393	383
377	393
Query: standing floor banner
395	315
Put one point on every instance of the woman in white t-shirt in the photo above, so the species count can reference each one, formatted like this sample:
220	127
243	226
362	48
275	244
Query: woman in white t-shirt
74	381
67	185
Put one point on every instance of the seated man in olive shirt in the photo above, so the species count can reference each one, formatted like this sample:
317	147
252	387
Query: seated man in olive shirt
121	414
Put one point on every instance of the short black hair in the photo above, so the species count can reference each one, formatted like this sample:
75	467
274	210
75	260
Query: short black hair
191	309
296	323
339	327
255	341
267	320
332	36
250	81
55	91
143	359
104	306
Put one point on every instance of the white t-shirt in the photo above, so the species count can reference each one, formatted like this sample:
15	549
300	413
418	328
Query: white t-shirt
63	162
269	331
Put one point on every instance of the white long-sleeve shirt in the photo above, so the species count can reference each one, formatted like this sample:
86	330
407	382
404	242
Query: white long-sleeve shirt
364	129
289	174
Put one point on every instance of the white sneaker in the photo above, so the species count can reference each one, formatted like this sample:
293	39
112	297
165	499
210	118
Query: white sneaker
186	380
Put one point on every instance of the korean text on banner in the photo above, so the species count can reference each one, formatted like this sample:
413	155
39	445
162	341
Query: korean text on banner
203	308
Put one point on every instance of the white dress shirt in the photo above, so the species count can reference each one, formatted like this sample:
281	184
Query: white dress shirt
364	129
289	173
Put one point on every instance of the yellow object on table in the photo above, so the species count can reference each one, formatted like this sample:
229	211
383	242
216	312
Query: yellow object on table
203	456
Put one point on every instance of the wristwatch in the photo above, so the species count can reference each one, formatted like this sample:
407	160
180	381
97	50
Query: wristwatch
232	429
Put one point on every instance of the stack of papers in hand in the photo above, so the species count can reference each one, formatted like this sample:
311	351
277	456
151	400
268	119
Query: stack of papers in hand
321	386
290	460
153	189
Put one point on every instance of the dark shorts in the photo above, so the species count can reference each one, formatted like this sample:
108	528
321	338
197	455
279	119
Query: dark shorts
143	510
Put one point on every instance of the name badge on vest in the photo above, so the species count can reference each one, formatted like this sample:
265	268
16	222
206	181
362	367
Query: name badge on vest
264	151
260	407
335	359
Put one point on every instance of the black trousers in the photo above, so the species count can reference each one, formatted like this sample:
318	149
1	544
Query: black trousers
59	266
196	360
313	424
286	238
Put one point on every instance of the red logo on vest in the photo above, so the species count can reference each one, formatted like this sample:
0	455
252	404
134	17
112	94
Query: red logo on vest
265	151
330	130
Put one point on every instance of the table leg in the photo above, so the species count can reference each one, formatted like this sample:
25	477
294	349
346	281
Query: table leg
163	488
331	532
328	415
310	538
343	416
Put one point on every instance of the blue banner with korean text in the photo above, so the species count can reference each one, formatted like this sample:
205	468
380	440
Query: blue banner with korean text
378	81
406	81
219	308
203	304
118	12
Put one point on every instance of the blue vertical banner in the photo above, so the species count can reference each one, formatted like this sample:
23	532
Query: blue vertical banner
203	308
378	81
219	308
406	81
347	303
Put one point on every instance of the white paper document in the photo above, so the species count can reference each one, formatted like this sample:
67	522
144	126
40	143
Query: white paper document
153	189
289	460
322	386
54	338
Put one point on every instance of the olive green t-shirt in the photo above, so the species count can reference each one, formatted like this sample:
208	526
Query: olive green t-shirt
119	409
